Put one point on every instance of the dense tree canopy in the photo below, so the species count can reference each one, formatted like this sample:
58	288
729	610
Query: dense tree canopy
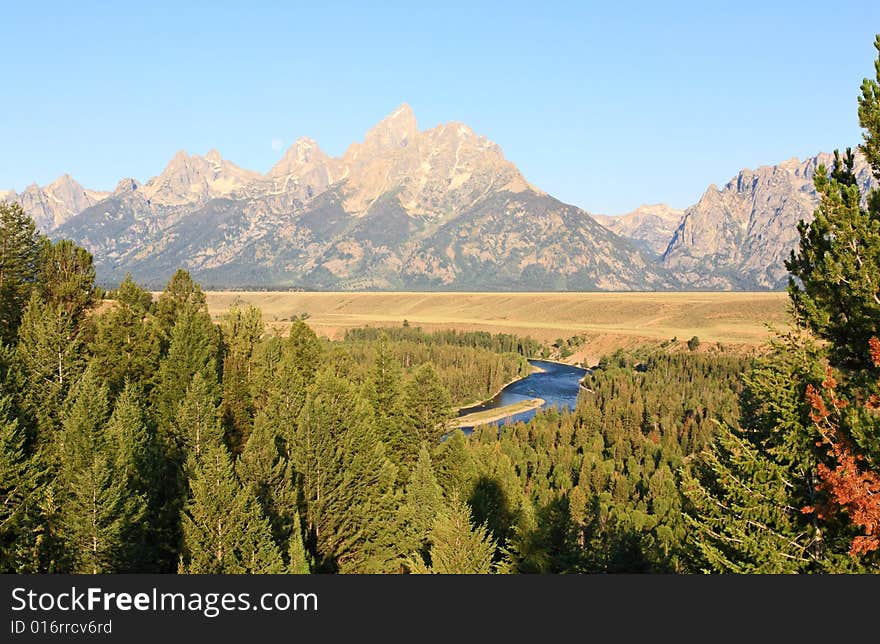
140	435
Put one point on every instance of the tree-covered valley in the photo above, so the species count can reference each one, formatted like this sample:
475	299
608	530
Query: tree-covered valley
139	434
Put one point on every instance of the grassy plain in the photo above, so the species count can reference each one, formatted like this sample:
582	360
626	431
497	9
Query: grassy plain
606	320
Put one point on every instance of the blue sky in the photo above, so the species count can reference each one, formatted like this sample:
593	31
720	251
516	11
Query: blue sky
604	105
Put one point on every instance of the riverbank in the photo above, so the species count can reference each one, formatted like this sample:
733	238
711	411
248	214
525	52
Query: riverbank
535	369
498	413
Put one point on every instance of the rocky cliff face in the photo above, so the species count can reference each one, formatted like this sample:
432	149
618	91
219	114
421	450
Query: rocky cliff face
738	237
650	227
54	204
191	180
436	173
405	208
304	171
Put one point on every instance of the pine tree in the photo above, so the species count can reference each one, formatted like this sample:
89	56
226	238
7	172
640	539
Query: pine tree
740	513
299	562
423	502
19	254
458	547
20	475
127	341
454	466
347	482
192	350
758	480
241	331
98	509
50	354
67	278
384	390
196	420
284	369
835	288
851	475
181	296
762	500
869	119
264	469
223	529
259	553
139	469
428	406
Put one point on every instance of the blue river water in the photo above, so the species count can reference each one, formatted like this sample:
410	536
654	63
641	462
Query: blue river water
558	384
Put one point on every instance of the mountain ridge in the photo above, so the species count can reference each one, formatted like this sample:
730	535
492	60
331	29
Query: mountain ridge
439	208
738	236
649	225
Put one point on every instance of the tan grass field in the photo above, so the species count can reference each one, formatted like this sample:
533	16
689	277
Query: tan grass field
607	320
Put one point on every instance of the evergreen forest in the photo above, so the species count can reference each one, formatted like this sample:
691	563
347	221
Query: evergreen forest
138	434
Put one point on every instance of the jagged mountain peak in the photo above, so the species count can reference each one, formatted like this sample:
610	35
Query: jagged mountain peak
303	151
305	170
439	208
127	185
180	156
399	124
64	180
52	205
433	173
397	130
195	179
740	235
650	226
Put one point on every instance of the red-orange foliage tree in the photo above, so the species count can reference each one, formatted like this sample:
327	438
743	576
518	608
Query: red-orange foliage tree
851	484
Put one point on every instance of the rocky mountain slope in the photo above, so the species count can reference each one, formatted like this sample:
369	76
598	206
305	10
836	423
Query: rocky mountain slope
738	236
422	209
649	226
54	204
436	209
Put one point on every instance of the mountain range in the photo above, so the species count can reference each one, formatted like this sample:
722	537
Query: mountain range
435	209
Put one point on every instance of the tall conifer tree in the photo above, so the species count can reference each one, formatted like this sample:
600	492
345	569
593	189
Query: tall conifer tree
347	482
224	531
384	390
139	468
19	254
759	503
126	345
264	469
193	350
458	547
98	507
299	562
241	331
428	408
67	278
50	354
20	476
423	503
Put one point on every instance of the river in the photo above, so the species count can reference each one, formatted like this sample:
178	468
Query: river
557	384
